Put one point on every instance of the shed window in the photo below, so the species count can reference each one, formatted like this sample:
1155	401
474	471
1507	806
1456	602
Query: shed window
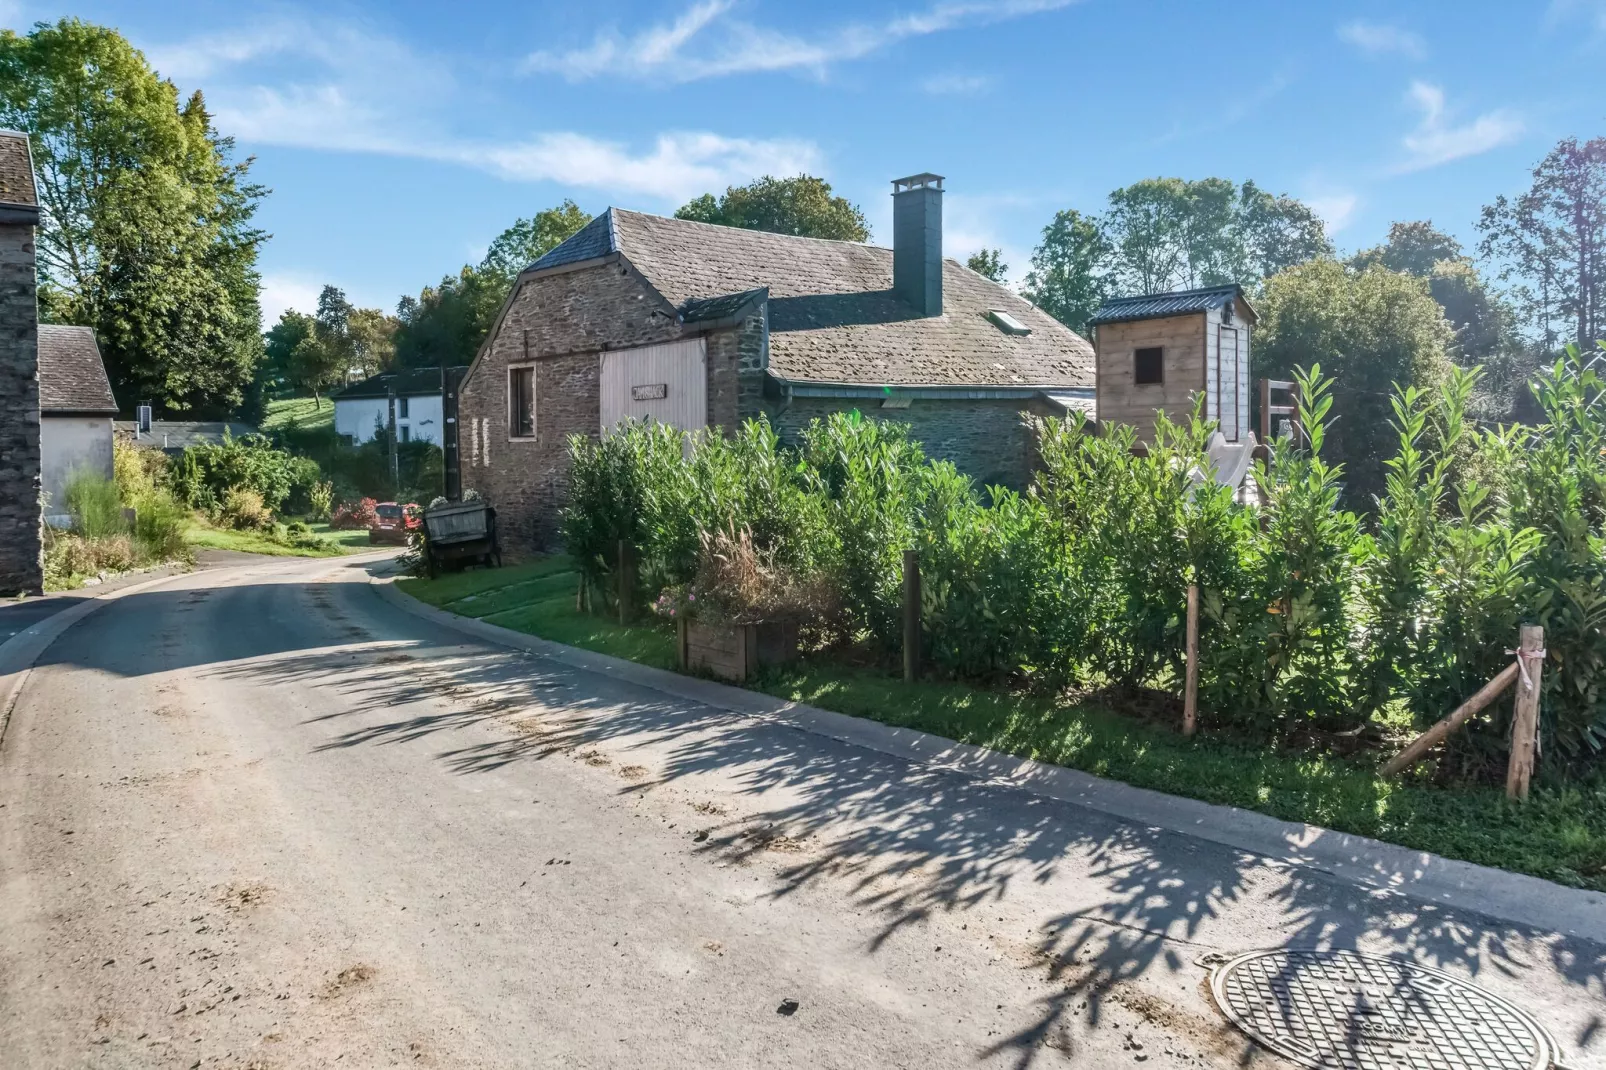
1148	366
521	402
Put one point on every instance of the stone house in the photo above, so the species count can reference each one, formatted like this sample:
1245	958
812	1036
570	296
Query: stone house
21	569
76	408
695	325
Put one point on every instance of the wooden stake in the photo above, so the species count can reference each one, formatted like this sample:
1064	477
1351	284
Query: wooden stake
911	616
627	582
1525	722
1190	690
1441	731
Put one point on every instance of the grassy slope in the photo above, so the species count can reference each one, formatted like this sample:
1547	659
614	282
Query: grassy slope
1559	834
251	542
303	411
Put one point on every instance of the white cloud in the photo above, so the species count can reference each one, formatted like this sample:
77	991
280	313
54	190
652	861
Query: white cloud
681	50
1335	209
345	88
1377	39
1435	142
284	291
958	85
679	165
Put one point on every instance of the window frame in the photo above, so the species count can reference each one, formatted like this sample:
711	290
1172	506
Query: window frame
401	407
1159	368
512	423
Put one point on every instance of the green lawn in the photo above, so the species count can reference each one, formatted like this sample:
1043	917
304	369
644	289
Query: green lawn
1560	834
305	413
336	543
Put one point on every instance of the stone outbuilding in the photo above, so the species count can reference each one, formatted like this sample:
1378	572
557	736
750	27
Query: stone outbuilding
76	411
21	569
695	325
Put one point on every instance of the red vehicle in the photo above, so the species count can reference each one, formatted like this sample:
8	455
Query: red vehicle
395	523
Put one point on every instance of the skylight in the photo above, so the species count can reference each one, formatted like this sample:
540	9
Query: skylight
1007	323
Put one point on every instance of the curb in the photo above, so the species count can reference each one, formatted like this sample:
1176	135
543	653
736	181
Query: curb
1387	869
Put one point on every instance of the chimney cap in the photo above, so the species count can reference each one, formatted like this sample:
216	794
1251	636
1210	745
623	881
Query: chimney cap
924	179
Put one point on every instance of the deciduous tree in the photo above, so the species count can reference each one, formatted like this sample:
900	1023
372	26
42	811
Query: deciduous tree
1551	240
1070	274
801	205
146	233
1370	330
989	264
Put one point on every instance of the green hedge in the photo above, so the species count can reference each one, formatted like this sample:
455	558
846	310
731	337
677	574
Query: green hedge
1317	624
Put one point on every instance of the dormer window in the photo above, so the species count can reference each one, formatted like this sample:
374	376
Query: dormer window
1148	366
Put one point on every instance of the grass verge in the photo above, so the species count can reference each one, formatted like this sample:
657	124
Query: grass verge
303	413
335	543
1559	834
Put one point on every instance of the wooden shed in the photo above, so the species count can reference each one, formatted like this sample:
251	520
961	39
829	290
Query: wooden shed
1155	353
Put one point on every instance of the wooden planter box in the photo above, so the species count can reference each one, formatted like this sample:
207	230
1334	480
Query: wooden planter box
735	651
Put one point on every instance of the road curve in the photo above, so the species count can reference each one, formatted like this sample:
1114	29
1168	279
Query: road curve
259	817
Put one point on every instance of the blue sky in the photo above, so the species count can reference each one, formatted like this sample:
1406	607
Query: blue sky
400	137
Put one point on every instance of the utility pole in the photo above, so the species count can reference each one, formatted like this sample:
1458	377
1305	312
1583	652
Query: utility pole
395	461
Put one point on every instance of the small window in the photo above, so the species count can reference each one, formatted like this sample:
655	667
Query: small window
521	403
1007	323
405	433
1148	366
401	409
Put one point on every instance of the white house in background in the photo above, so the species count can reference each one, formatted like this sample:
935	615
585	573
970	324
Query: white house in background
76	408
363	409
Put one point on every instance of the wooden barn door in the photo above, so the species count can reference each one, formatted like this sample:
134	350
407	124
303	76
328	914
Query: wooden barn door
665	383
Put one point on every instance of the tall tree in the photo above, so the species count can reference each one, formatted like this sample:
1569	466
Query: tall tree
446	324
279	346
989	264
1551	239
1070	274
323	358
146	233
1170	233
1369	329
801	205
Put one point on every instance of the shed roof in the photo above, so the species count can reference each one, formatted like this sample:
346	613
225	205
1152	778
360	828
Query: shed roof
1179	303
16	170
833	316
176	435
411	383
72	376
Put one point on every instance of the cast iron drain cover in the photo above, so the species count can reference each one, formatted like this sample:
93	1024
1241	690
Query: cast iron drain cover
1338	1010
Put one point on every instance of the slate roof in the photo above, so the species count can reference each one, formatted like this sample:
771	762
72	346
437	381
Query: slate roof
1158	306
410	383
703	309
72	376
833	316
16	170
176	435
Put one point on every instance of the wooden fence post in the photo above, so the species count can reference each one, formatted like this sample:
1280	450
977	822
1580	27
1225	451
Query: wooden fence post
1441	731
1190	689
627	581
911	616
1525	722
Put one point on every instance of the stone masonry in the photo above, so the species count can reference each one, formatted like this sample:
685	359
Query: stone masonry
20	511
560	323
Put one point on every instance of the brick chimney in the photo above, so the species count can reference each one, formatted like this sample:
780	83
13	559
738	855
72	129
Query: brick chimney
917	242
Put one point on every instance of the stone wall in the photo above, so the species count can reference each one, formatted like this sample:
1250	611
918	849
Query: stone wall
560	324
20	567
987	440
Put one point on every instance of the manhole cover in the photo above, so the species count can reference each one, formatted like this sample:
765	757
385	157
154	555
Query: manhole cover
1338	1010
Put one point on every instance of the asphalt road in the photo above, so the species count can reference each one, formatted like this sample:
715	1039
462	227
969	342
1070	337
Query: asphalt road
259	817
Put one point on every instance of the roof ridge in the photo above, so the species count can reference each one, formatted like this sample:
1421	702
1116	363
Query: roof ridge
749	230
1194	292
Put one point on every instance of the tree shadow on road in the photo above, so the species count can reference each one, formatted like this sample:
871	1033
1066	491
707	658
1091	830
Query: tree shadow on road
908	842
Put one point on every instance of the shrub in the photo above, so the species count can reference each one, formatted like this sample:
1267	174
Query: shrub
355	516
244	510
320	499
69	557
205	474
95	506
